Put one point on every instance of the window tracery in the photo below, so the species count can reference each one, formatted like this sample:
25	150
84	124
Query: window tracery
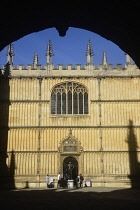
69	98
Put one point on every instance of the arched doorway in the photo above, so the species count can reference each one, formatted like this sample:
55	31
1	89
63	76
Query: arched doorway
73	163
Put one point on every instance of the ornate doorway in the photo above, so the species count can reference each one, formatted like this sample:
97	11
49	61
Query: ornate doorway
70	167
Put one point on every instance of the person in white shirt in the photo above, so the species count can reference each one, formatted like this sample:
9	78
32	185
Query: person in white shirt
58	178
47	180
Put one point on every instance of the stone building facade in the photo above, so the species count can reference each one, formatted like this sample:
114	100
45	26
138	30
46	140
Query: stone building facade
87	116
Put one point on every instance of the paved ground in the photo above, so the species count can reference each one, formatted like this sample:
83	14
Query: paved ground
84	198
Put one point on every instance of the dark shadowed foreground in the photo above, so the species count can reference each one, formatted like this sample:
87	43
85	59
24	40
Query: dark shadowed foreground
84	198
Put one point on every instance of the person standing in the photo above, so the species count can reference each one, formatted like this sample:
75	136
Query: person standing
81	180
66	177
58	178
47	180
77	182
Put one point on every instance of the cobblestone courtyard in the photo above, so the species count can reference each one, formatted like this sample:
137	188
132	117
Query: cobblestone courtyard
84	198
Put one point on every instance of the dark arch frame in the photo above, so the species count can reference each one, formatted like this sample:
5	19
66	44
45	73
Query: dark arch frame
117	22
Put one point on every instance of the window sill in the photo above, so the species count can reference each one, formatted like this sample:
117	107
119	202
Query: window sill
69	115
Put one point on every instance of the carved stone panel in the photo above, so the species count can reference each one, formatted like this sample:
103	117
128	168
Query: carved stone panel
70	145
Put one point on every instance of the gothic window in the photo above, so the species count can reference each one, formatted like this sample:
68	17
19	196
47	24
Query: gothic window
69	98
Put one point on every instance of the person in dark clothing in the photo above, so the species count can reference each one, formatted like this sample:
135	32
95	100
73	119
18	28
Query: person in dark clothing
66	177
81	180
76	181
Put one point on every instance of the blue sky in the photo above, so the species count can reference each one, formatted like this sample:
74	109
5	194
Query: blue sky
70	49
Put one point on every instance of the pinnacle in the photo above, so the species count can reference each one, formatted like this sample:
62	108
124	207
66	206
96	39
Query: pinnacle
49	50
89	50
10	54
35	61
104	61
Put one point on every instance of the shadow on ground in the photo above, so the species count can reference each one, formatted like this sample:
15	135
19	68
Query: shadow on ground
86	198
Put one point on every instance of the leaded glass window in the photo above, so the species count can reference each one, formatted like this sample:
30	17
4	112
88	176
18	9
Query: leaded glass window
69	98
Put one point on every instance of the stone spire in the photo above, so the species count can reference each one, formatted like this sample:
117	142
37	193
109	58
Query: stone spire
128	59
10	54
35	61
104	61
89	53
49	53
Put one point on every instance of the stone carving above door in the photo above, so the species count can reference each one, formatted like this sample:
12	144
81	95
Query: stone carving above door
70	145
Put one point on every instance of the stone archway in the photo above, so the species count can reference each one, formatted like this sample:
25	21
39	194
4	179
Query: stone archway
74	167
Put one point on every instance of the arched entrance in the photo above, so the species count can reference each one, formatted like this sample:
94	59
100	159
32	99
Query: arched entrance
70	167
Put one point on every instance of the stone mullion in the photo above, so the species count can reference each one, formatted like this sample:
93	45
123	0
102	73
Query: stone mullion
83	103
72	98
56	105
61	100
78	102
66	98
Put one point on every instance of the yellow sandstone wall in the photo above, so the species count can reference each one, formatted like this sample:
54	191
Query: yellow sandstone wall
114	103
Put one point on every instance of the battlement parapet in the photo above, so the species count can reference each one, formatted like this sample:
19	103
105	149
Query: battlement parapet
77	70
28	67
105	67
70	67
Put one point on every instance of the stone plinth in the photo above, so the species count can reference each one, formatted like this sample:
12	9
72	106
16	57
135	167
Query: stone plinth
70	184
